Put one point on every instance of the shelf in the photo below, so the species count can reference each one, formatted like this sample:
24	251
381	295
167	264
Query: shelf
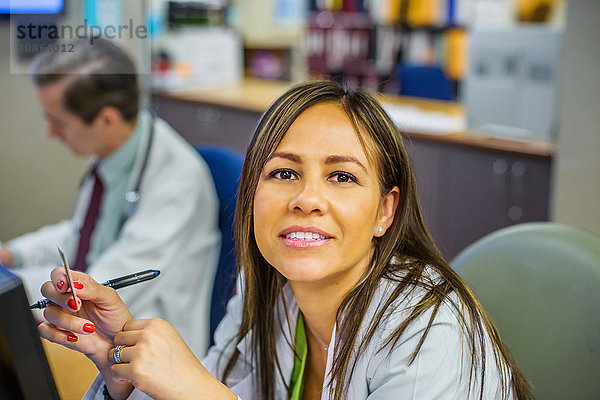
251	94
255	95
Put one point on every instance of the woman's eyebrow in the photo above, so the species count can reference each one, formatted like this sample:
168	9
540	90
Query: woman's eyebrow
288	156
329	160
334	159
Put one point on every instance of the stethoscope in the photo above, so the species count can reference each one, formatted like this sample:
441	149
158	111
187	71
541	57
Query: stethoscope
132	195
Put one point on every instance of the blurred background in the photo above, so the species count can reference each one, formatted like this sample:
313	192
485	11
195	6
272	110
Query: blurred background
499	99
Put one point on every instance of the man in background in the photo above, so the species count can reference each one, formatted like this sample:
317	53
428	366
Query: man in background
148	200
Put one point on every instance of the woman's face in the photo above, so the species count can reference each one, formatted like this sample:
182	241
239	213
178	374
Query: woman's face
318	203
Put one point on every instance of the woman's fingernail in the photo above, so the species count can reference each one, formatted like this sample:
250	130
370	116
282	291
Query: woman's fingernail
90	328
71	338
60	284
71	303
78	285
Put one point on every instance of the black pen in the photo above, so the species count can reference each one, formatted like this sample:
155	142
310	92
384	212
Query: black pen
116	283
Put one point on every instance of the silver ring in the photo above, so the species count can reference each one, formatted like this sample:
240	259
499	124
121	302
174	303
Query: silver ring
117	354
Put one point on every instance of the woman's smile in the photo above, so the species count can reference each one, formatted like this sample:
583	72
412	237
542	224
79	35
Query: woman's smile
305	237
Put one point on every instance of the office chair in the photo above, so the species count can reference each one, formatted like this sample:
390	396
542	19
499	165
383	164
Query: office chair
225	166
424	81
539	282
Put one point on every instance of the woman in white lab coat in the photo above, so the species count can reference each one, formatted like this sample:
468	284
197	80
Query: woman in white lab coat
343	293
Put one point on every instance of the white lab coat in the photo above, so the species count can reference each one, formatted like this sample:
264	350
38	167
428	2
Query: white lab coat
174	228
440	371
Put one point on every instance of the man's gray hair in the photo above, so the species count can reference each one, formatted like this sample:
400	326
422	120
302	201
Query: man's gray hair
100	75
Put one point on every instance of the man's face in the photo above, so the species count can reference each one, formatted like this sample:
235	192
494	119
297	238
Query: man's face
81	138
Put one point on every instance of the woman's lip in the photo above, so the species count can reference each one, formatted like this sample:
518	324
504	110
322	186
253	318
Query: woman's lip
310	229
302	243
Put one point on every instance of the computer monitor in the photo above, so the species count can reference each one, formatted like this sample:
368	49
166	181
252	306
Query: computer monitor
24	370
31	6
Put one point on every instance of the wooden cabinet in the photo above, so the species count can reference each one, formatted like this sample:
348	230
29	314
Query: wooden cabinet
467	188
467	192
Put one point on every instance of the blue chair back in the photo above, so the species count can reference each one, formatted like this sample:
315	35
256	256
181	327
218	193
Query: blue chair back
424	81
225	166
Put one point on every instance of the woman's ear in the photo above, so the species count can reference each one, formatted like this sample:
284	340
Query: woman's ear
387	211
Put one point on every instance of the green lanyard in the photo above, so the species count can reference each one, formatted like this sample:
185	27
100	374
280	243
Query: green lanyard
297	380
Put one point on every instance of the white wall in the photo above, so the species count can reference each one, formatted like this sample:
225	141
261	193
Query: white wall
576	197
38	176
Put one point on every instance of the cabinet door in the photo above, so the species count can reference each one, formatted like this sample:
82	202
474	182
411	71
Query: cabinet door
468	192
489	190
179	114
529	189
429	160
207	123
477	197
225	126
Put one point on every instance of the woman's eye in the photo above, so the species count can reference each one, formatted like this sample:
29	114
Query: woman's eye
342	177
283	174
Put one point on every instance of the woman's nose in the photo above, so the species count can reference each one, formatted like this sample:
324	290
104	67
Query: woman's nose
309	199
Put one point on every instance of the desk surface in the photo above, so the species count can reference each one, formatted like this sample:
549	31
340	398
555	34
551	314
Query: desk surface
72	371
255	95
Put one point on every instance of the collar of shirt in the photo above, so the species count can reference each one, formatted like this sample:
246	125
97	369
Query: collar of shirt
284	337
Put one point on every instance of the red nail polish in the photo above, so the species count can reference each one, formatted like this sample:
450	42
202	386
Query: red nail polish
90	328
71	338
60	284
71	303
78	285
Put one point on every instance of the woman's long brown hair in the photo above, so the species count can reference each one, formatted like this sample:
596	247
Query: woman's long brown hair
402	254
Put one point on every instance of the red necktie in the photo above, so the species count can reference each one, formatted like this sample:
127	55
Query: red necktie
85	233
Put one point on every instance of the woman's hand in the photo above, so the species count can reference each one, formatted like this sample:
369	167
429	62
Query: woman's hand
157	361
88	326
